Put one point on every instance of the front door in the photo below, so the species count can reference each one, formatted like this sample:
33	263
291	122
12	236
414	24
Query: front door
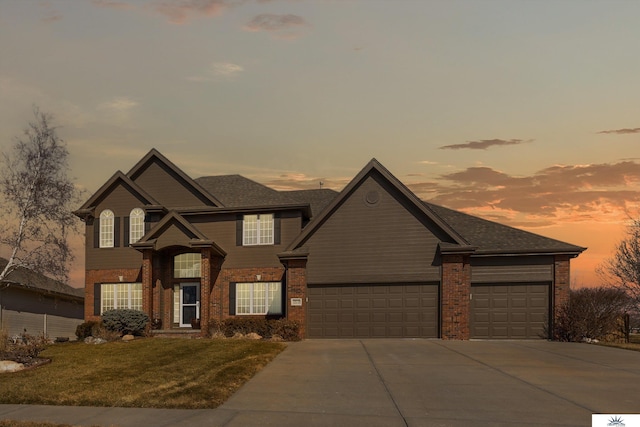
189	303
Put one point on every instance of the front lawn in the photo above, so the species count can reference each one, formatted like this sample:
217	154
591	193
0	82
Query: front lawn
145	373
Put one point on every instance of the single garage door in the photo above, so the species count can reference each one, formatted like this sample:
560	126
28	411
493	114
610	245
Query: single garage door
509	311
373	311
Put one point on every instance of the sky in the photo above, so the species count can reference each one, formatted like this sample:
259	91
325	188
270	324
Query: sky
521	112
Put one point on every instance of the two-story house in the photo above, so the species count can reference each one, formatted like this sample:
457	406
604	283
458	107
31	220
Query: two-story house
371	261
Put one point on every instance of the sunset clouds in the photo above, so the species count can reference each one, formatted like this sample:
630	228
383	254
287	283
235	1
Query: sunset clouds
484	144
571	193
622	131
279	26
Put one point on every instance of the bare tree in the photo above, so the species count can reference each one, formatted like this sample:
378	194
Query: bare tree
622	270
37	198
592	313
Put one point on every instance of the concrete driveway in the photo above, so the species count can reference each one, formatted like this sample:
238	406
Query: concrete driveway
404	383
438	383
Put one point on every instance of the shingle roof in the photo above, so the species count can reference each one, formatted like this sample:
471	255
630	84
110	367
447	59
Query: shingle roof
491	237
487	237
31	280
236	191
318	199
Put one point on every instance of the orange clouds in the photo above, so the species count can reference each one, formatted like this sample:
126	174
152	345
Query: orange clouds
566	193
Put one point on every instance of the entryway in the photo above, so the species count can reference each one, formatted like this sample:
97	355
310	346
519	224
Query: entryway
189	304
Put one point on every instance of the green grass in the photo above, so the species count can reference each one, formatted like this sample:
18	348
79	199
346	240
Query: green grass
145	373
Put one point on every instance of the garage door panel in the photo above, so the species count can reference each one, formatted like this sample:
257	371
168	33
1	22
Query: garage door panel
402	310
509	311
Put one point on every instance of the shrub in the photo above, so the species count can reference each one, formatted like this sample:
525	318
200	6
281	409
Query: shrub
286	329
86	329
125	321
591	313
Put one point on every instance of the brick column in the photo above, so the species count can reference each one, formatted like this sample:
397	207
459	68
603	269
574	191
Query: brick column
297	288
205	290
456	287
147	282
561	283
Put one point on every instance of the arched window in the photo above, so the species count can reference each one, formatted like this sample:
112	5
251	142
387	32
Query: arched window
106	229
136	225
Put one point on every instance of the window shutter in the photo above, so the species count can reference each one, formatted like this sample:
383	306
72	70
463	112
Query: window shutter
147	225
96	298
232	298
116	231
276	228
239	221
127	231
96	232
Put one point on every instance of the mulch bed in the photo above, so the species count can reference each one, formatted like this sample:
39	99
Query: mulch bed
27	361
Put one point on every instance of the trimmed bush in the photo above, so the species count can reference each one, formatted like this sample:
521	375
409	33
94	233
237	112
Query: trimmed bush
125	321
86	329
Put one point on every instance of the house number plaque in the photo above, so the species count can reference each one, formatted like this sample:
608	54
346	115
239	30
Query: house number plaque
296	302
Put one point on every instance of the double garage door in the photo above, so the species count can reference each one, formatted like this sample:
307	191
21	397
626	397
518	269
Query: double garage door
373	311
505	311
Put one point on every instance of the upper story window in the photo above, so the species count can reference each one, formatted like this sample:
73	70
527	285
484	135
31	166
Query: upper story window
136	225
187	265
257	230
106	228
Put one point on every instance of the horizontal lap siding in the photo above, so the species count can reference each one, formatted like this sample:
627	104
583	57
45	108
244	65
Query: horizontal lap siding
509	311
512	269
373	311
365	243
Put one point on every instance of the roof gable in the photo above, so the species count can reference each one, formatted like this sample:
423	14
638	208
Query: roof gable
375	167
117	179
175	230
168	183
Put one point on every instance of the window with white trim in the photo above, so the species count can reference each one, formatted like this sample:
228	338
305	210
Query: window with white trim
106	228
257	230
259	298
120	295
136	225
187	265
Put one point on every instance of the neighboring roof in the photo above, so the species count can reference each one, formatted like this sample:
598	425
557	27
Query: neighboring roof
490	237
31	280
